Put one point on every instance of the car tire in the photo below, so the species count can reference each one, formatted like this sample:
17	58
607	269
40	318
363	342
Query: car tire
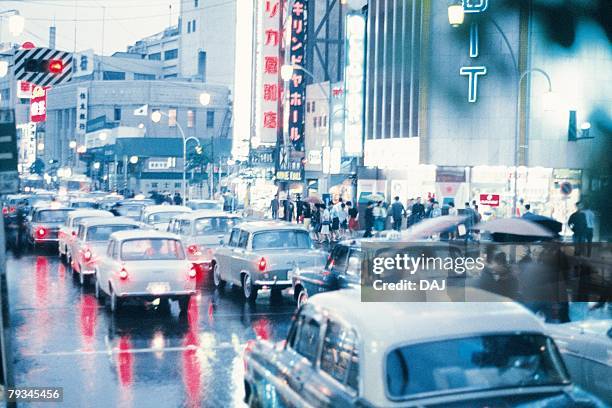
302	297
115	302
184	304
219	283
248	289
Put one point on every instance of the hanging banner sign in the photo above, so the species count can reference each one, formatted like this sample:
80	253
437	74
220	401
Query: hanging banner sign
81	111
268	91
297	85
38	105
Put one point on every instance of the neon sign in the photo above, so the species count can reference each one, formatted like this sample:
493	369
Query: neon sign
473	72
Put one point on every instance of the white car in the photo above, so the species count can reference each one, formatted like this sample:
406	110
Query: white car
587	349
147	265
343	352
91	241
158	216
67	232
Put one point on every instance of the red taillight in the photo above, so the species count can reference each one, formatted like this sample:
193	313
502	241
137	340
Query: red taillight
5	210
12	209
87	255
74	233
194	250
192	272
56	66
41	232
262	264
123	274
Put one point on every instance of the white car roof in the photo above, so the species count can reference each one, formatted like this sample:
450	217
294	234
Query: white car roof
151	209
90	213
382	326
143	234
194	215
256	226
111	220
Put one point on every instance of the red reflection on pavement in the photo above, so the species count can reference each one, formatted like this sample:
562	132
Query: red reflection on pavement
42	279
211	311
87	319
125	361
192	371
262	329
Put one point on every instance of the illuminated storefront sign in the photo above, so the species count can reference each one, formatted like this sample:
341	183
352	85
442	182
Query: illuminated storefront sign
297	85
473	72
354	83
38	105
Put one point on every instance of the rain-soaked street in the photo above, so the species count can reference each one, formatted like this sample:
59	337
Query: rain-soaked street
143	357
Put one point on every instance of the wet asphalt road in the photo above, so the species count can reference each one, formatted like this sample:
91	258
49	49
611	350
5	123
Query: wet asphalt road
63	337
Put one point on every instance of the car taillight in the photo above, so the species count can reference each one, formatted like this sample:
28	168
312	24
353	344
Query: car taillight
87	255
192	272
11	209
41	232
123	274
261	265
194	250
74	233
5	210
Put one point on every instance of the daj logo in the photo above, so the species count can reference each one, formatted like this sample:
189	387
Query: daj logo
473	72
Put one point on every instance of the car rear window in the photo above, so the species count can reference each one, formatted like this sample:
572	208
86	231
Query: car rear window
158	249
206	206
129	210
52	215
103	232
212	225
162	217
474	363
83	204
281	240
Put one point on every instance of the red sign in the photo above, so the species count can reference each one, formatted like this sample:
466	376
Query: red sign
490	199
38	105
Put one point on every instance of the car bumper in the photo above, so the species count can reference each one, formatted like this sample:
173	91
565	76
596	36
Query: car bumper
150	295
46	240
274	282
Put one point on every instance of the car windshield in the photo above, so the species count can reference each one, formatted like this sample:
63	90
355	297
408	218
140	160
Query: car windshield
103	232
214	225
474	363
52	215
158	249
282	239
206	206
129	210
39	199
83	204
162	217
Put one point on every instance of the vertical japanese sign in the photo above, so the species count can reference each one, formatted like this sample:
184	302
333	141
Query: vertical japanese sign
38	104
354	77
270	66
473	72
81	111
297	86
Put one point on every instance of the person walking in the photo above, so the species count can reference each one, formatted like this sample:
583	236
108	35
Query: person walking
288	208
578	224
417	212
369	219
335	220
326	220
299	209
436	211
590	226
452	211
397	213
379	217
274	205
469	220
353	221
178	200
343	217
316	221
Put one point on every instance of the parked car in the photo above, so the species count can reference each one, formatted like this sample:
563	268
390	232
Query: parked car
144	265
159	216
341	352
130	208
91	240
44	222
205	205
587	350
68	231
260	254
202	232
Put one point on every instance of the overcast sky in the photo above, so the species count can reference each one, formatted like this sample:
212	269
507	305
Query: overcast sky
125	22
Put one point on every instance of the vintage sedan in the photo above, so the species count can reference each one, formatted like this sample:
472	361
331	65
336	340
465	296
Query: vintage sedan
341	352
587	349
91	240
147	265
205	205
131	208
44	223
68	231
159	216
260	254
202	232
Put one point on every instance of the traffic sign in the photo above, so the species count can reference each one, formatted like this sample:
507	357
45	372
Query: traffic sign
43	66
9	178
566	188
490	200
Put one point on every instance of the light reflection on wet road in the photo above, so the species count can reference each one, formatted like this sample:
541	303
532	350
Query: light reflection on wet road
63	337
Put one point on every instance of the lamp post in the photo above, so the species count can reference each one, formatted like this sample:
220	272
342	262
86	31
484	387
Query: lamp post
456	14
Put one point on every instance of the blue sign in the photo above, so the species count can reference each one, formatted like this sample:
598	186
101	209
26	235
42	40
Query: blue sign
473	72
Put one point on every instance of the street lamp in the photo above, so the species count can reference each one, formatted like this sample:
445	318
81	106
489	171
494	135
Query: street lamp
156	117
134	159
205	99
81	149
455	18
103	136
72	144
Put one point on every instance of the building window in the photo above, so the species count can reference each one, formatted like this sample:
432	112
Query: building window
113	76
188	27
314	122
177	185
190	118
307	107
154	185
170	76
325	121
312	106
170	54
144	77
210	119
117	115
155	56
60	119
202	64
193	26
172	117
195	3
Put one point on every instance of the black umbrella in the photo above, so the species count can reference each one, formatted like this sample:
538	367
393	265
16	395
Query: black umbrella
550	224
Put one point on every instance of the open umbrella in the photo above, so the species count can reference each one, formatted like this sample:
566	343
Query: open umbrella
432	226
514	230
550	224
313	200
